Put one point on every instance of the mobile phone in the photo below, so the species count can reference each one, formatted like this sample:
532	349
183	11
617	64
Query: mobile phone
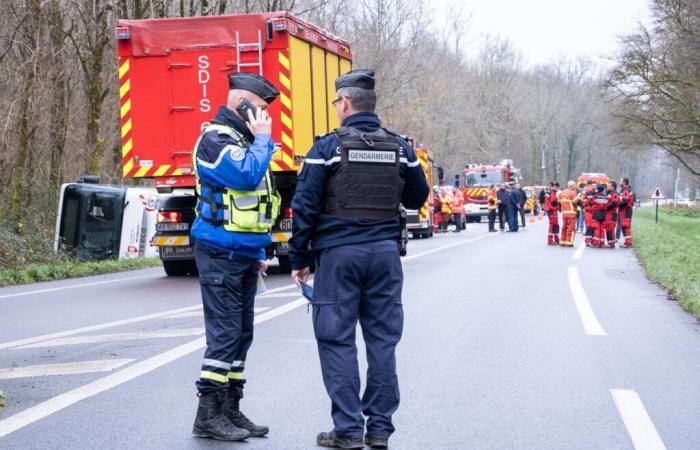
307	291
243	109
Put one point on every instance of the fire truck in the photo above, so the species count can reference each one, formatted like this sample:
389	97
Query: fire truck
478	178
172	78
598	178
420	222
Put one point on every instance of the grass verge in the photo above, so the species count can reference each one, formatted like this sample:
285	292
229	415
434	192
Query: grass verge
670	252
62	269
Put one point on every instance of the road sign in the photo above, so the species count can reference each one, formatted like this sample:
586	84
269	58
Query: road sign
657	194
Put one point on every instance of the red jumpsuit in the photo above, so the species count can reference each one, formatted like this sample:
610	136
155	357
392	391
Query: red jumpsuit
551	205
568	212
610	224
599	206
626	204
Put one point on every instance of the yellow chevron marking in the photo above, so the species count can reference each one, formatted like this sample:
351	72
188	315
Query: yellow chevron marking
171	240
126	128
124	88
177	171
128	166
289	160
161	170
285	81
126	107
286	140
123	69
142	172
126	148
281	237
286	101
282	59
274	165
286	121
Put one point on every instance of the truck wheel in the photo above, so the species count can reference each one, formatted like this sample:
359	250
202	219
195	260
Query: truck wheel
285	264
180	268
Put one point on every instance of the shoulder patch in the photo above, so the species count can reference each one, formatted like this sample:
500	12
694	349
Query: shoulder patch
237	154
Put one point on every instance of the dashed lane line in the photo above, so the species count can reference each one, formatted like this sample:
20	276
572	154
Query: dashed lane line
75	286
100	326
198	313
445	247
73	368
117	337
579	251
62	401
637	421
583	306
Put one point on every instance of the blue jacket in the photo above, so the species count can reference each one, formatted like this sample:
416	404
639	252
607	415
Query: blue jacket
516	198
314	231
219	164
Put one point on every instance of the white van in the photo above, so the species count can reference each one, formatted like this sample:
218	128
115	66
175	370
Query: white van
96	221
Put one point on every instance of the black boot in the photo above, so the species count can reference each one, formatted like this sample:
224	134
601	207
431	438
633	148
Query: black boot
334	441
233	412
376	442
211	423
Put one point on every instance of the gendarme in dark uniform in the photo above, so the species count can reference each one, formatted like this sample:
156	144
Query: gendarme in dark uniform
346	217
236	208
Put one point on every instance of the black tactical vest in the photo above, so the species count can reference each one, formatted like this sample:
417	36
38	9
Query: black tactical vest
367	184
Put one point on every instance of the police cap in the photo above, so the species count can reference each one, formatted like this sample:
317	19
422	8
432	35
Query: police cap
254	83
358	78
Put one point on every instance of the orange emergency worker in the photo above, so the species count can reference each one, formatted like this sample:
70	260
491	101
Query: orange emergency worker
567	197
445	208
492	202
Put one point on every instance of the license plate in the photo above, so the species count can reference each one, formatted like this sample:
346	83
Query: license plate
172	226
286	225
283	246
183	250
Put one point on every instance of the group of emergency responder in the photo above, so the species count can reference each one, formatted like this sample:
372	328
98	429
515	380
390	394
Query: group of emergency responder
448	206
507	202
598	208
346	223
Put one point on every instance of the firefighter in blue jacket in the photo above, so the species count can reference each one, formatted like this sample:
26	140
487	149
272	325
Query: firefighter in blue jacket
346	216
236	207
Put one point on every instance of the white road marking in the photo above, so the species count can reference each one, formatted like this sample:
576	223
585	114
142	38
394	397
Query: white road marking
445	247
74	286
278	289
583	306
62	401
637	421
63	368
256	310
100	326
278	295
579	251
99	338
55	404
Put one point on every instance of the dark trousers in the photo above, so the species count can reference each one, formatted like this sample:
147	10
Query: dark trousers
502	213
512	219
228	285
359	282
492	220
522	216
457	217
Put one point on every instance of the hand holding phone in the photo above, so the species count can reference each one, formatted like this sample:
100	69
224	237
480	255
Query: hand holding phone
257	119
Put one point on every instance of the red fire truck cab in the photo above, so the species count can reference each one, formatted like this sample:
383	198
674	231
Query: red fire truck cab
172	79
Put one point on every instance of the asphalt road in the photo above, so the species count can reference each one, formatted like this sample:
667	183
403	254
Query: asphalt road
508	344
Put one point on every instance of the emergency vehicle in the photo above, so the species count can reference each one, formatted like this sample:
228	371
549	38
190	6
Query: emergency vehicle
597	178
99	221
173	77
420	222
478	178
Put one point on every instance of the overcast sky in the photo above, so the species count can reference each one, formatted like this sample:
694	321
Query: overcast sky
544	30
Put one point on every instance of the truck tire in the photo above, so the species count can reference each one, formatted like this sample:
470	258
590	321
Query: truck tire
180	268
285	264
